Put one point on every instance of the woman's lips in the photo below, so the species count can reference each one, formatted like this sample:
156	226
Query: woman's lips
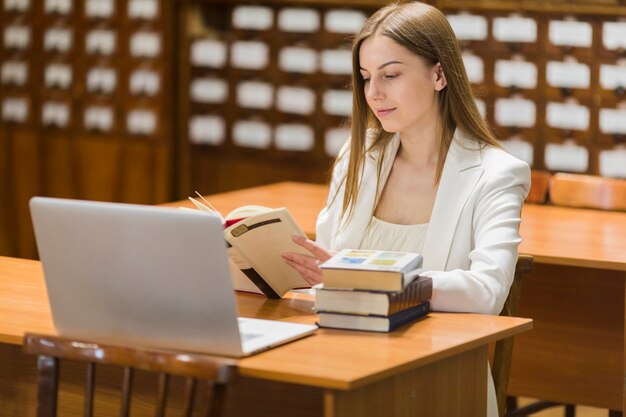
383	112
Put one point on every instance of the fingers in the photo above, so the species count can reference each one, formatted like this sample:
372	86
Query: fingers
307	266
312	275
316	250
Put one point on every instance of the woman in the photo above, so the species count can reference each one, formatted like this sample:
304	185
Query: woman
422	172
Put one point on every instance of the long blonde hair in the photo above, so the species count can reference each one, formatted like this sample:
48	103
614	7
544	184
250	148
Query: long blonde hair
425	31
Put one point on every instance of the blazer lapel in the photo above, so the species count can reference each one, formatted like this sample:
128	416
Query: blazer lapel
460	175
353	231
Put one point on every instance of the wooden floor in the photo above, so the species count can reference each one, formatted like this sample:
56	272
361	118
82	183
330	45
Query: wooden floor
581	411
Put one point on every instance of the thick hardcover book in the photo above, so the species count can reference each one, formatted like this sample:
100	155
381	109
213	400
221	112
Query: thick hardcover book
373	323
374	302
256	236
371	270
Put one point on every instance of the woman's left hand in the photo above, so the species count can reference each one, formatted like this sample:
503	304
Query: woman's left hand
308	265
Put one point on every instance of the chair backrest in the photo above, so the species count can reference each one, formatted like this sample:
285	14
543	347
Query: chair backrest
588	191
503	352
539	182
200	372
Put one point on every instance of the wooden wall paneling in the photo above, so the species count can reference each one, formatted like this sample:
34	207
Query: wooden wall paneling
7	244
59	164
26	182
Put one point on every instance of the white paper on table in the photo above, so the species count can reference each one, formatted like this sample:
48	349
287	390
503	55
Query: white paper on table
519	148
141	122
517	112
344	21
568	74
55	114
99	8
207	130
568	116
515	29
58	76
101	80
521	74
255	94
17	36
614	35
297	59
100	41
98	118
612	76
145	44
482	107
143	9
144	82
208	53
336	61
252	134
56	39
338	102
62	7
570	33
14	109
294	137
566	157
249	55
299	20
334	139
14	72
474	67
253	17
468	26
299	100
613	121
208	90
613	163
16	5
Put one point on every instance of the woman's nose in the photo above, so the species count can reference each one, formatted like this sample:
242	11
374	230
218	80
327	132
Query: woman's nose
373	91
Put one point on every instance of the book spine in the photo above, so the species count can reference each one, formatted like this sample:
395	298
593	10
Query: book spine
250	272
417	292
260	283
406	316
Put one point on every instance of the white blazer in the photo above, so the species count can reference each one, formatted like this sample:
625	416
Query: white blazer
470	249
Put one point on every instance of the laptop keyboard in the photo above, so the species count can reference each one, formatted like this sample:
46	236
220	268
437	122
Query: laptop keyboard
245	337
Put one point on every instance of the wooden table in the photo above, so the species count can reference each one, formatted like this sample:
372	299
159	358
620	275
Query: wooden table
576	352
433	367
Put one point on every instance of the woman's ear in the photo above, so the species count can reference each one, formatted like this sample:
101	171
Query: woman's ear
439	77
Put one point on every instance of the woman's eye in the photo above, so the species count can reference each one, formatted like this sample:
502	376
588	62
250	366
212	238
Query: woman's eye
389	77
366	80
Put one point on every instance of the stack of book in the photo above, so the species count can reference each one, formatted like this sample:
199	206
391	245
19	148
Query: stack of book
372	290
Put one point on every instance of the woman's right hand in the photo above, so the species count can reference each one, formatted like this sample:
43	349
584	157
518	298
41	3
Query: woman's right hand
308	265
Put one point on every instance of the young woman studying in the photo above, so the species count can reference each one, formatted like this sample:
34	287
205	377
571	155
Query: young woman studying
422	172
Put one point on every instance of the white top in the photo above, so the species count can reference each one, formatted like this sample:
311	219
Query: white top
394	237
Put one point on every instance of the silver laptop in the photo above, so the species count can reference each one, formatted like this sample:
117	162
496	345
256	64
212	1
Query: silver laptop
145	276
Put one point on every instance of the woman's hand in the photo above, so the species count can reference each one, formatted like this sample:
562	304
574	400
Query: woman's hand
308	265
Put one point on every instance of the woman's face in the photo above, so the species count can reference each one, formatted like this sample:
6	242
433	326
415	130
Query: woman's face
400	88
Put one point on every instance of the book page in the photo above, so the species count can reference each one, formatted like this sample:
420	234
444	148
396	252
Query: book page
261	239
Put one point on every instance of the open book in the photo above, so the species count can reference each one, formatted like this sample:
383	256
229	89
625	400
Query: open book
256	236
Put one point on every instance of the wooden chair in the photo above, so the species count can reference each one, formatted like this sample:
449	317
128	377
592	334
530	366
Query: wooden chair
539	182
588	191
216	372
503	352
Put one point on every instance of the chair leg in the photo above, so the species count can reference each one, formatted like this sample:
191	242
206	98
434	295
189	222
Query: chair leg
215	399
47	386
570	410
615	413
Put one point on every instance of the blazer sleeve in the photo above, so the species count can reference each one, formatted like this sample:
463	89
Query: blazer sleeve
495	223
